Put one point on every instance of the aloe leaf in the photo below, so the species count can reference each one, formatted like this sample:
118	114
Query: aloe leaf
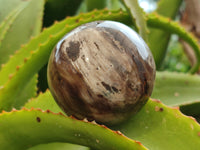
26	128
155	122
10	27
160	22
159	127
138	16
114	5
26	50
17	32
59	146
176	89
95	4
158	39
38	58
29	91
44	101
173	89
42	47
8	21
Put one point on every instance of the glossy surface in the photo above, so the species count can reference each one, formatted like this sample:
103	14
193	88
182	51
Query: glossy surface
101	71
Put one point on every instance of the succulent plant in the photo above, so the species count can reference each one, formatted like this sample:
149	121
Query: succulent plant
101	71
33	121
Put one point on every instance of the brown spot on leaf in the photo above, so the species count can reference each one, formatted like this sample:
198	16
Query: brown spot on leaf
38	119
159	109
97	140
176	94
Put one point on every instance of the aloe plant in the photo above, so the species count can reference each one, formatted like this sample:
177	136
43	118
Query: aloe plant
33	121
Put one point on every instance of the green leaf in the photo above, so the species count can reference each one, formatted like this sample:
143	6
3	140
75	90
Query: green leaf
26	128
159	127
160	22
138	17
8	21
29	91
176	89
13	34
59	146
24	23
38	53
159	39
95	4
173	89
44	101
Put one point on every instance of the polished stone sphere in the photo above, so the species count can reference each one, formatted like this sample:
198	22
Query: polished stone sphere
101	71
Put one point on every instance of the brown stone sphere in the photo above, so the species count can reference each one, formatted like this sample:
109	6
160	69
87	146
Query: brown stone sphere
101	71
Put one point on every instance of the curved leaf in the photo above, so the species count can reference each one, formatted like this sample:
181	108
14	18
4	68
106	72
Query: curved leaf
44	101
173	89
176	89
58	146
159	127
138	17
8	21
159	48
17	32
173	27
26	128
39	57
42	46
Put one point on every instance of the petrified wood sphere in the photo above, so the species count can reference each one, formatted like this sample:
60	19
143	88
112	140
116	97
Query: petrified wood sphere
101	71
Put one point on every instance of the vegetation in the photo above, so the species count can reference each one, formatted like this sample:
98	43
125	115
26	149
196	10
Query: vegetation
30	118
